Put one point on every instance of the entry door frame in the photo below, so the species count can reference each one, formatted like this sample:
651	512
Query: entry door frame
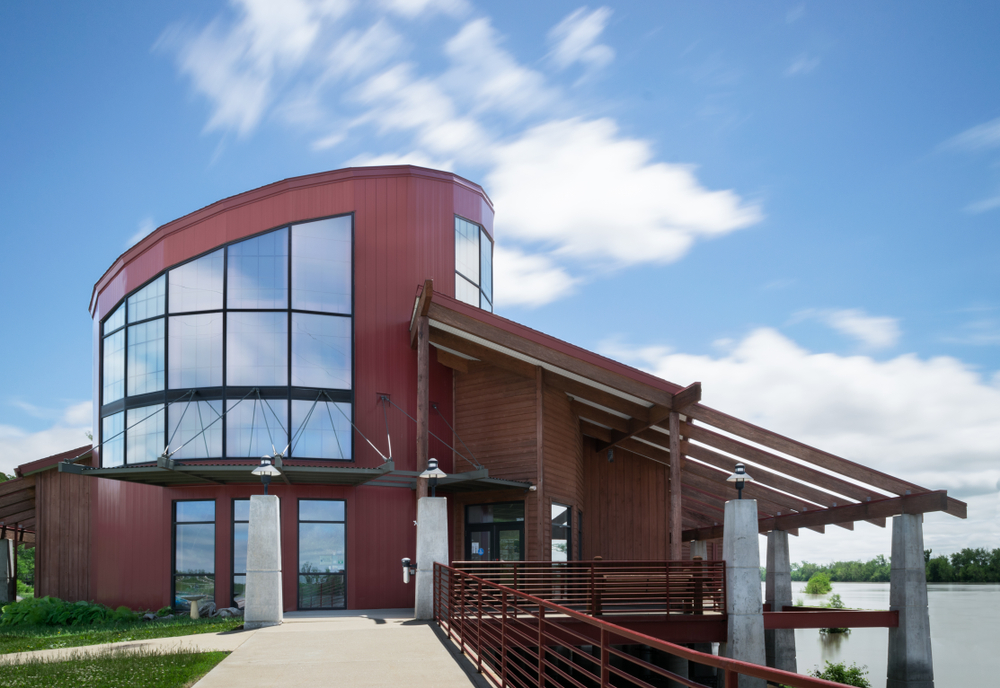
493	529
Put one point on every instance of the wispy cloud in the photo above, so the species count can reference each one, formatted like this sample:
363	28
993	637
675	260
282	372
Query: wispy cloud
983	206
411	9
146	227
18	446
871	332
575	39
979	137
531	280
802	64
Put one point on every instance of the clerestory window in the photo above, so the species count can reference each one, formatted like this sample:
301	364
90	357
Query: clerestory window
473	265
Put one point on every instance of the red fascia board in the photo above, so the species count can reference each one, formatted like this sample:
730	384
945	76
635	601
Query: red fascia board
50	461
558	345
275	189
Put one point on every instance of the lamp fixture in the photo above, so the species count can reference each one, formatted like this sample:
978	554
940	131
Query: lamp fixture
265	470
433	472
739	477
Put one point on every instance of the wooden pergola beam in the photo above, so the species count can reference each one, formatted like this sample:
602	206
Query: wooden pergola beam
597	415
420	308
450	360
922	503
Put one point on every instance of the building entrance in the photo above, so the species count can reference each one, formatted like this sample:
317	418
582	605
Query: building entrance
494	532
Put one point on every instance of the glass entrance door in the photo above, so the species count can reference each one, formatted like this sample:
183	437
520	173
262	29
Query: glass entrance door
494	532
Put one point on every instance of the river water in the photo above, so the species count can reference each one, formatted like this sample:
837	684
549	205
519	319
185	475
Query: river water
965	625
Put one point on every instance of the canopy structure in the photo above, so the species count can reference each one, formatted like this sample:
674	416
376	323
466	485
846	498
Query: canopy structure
621	408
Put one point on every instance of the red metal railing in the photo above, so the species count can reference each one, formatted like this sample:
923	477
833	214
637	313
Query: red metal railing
614	588
519	640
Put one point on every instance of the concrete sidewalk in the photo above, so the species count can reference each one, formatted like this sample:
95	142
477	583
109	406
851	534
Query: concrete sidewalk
384	647
357	648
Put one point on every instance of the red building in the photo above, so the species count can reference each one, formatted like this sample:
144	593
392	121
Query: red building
342	324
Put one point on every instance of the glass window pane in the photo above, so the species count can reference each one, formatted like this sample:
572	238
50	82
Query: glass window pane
197	286
321	265
257	349
486	265
326	435
113	440
321	510
196	511
114	367
192	585
192	432
560	533
258	272
116	319
467	250
144	436
322	591
495	513
240	534
484	304
239	591
255	428
466	291
195	350
321	547
195	553
148	301
321	351
241	510
145	357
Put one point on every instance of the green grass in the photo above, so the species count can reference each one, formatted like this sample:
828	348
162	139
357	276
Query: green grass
28	638
112	669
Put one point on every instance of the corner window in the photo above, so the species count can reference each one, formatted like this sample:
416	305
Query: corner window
562	540
473	265
194	551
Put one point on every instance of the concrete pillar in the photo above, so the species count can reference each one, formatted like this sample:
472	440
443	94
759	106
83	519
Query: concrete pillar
910	663
264	605
779	644
8	575
740	549
432	546
699	548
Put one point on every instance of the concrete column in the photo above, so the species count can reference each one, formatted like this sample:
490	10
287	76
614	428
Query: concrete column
264	605
741	551
910	662
699	548
8	576
779	644
432	546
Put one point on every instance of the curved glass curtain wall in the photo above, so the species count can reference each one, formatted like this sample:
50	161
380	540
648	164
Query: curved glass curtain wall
260	328
473	265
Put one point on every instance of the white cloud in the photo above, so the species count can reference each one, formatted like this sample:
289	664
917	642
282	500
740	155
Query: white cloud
795	13
357	52
18	446
802	64
932	421
979	137
615	205
414	8
146	227
575	38
412	158
520	279
872	332
983	206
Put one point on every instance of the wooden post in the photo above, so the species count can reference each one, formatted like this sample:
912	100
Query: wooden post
423	399
676	525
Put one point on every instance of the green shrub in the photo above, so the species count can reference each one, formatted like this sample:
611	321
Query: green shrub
24	590
164	611
51	611
819	584
853	675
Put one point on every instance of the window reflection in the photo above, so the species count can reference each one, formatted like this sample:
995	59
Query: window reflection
257	349
467	250
194	429
195	350
145	357
326	433
114	367
466	291
561	540
321	351
115	320
197	286
113	447
321	265
148	301
256	427
144	439
258	272
322	554
486	266
194	550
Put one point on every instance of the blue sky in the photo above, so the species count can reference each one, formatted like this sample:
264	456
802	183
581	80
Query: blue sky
796	203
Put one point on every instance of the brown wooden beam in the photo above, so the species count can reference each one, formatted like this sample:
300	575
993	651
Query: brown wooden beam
16	484
450	360
482	353
27	495
676	497
687	396
423	396
12	518
420	309
598	396
922	503
597	432
598	416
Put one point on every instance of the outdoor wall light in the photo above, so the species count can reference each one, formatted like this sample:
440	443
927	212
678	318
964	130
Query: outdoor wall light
739	477
409	569
265	470
433	472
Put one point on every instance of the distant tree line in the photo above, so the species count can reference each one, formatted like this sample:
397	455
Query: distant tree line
971	565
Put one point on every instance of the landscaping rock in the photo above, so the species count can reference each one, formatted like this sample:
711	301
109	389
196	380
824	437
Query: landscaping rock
230	612
151	616
206	608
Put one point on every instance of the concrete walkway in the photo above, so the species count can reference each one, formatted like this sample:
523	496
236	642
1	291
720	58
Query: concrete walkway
355	648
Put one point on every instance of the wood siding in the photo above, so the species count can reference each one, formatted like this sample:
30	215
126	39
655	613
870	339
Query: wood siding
563	457
626	506
62	550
